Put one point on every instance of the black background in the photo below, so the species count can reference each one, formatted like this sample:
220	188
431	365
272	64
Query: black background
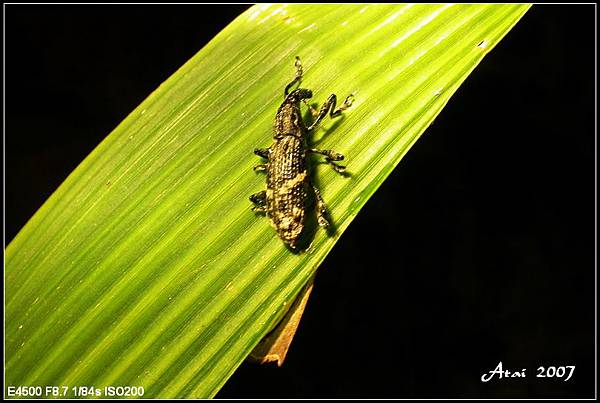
495	263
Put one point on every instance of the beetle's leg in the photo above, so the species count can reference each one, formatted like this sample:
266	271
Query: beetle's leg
331	156
260	201
261	167
329	106
262	152
313	111
297	79
321	208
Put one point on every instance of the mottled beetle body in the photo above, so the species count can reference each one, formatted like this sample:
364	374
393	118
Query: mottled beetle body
288	179
287	174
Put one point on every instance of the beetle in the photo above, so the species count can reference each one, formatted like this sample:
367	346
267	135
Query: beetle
288	180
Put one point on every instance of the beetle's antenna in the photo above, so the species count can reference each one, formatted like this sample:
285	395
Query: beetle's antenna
297	79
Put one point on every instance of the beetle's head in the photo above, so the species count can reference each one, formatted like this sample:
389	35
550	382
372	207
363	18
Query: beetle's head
304	94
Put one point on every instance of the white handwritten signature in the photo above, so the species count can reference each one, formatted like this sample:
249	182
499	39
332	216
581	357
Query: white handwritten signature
562	372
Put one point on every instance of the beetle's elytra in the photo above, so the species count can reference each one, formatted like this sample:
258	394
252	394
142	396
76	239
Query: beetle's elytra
288	179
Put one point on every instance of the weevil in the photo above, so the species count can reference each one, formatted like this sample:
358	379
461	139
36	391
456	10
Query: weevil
288	179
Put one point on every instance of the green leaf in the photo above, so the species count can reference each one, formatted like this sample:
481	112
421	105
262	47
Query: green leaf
147	267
